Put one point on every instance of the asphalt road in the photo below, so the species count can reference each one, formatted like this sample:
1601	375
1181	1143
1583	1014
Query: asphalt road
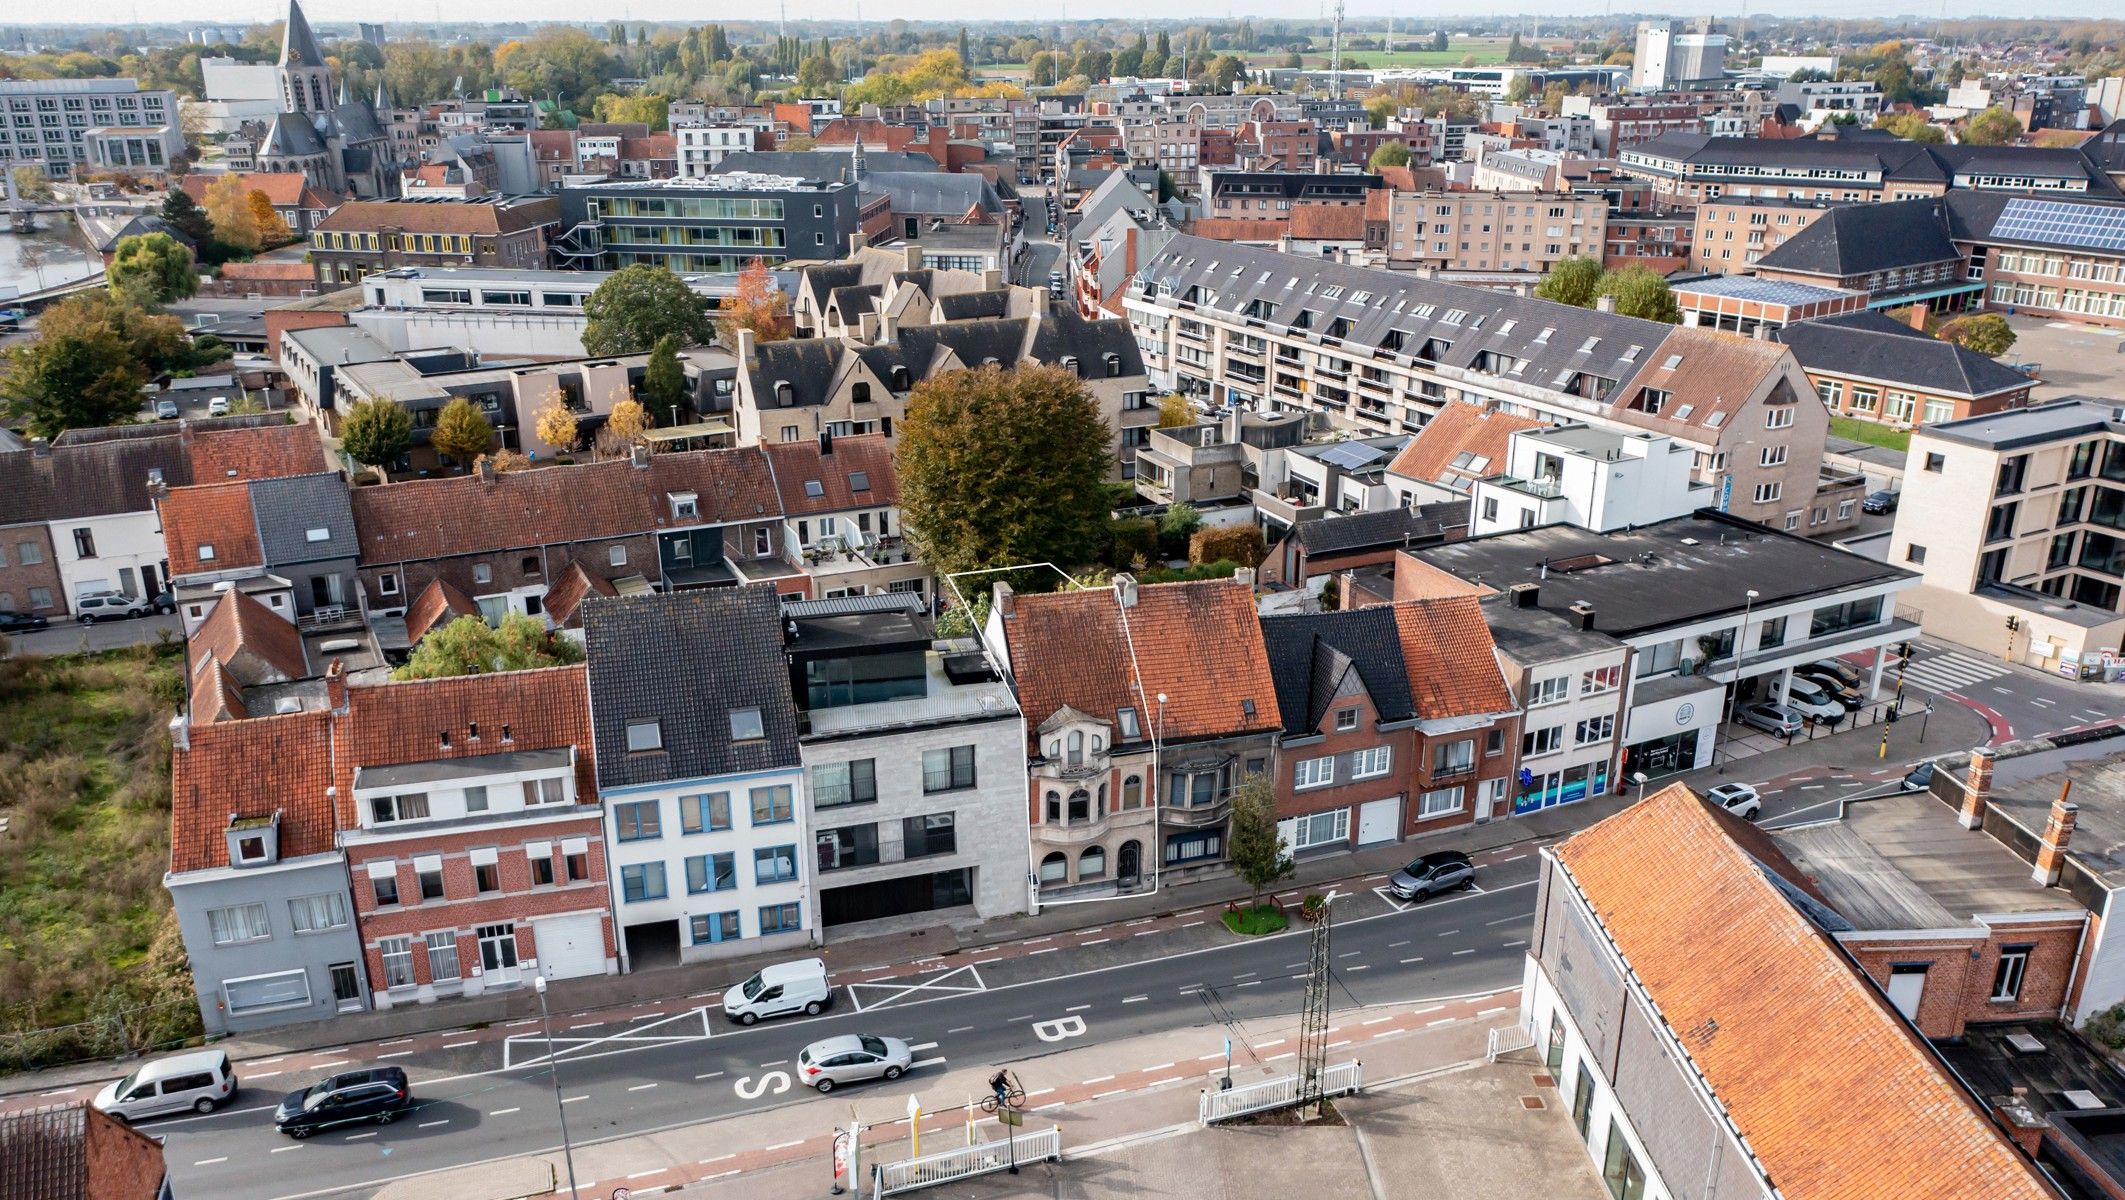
493	1099
66	635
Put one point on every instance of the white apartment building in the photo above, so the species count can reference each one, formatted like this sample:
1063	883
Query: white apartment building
702	147
48	123
1598	479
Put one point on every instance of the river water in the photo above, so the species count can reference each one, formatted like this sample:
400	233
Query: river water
65	255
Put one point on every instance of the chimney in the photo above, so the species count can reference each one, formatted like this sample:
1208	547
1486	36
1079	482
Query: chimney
1003	601
826	443
857	241
1916	317
991	279
2058	833
336	685
1524	595
1585	613
1244	575
1125	589
2023	1122
1605	304
639	456
1977	791
485	466
867	327
158	487
914	256
40	448
745	346
180	732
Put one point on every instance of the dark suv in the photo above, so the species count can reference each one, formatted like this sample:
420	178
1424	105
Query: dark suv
376	1094
1439	871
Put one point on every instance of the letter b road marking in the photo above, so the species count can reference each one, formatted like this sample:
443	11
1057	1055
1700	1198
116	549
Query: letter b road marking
1055	1031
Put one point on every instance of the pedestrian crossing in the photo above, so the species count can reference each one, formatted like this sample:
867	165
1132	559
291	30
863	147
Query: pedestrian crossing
1938	671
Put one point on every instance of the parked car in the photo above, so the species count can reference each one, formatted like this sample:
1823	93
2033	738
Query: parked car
163	602
166	410
1883	501
780	989
92	607
1844	671
1809	700
1737	798
12	621
1771	718
379	1094
218	406
1832	686
197	1082
1439	871
1919	778
852	1058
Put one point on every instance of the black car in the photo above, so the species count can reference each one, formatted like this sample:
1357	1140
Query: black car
1439	871
1918	778
378	1094
1883	501
11	621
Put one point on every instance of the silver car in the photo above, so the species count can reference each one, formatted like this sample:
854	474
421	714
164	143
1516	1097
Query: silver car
852	1058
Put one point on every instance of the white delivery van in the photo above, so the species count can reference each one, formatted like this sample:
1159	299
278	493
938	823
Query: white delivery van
779	990
198	1081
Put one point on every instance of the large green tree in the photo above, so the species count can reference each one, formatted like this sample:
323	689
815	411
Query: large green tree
470	646
72	380
462	431
375	432
1640	292
1392	153
185	216
152	268
1252	840
1986	333
638	305
1574	281
1004	467
1993	127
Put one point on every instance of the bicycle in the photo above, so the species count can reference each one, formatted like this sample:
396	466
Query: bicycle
1008	1093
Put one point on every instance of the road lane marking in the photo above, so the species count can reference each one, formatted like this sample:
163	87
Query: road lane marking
1094	941
514	1024
961	1029
1377	1021
397	1042
1360	967
927	1062
646	1174
641	1087
784	1145
1470	950
573	1099
1104	1095
587	1025
1163	1082
1286	1054
1134	999
1392	945
780	1062
208	1162
1338	1045
432	1124
1419	958
355	1137
1521	942
710	1162
1250	983
503	1112
1245	974
922	1046
710	1075
267	1062
1502	921
396	1054
1492	1012
1450	933
460	1045
1077	1008
283	1149
1440	1021
1159	1067
1146	932
1043	950
1041	1092
1193	924
247	1075
1095	1079
983	962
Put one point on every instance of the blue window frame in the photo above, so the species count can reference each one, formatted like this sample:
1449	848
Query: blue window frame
706	813
711	873
774	864
642	881
714	927
781	918
637	821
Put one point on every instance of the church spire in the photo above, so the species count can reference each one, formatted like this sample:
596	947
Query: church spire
298	46
383	98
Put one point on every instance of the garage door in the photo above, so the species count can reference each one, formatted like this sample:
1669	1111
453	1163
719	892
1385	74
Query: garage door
570	946
1379	821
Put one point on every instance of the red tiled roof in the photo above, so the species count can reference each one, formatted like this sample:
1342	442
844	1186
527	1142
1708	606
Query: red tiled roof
445	216
1340	222
1239	229
252	641
393	723
269	269
436	605
656	145
799	463
251	768
1450	659
1833	1091
1198	642
438	518
554	145
283	189
216	696
1456	428
1718	373
263	452
567	592
217	515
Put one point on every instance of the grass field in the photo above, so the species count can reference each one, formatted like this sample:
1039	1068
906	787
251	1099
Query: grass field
85	928
1871	432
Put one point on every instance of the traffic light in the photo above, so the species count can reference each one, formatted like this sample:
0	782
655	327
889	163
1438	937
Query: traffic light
2014	624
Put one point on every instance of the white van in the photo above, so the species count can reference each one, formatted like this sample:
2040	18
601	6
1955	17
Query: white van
779	990
201	1081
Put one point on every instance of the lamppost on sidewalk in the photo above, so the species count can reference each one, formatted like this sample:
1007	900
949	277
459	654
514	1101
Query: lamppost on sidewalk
553	1067
1741	640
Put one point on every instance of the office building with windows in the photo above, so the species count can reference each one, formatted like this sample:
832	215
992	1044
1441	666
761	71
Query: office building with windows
699	768
714	224
63	125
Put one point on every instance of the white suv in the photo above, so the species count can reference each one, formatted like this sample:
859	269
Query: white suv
92	607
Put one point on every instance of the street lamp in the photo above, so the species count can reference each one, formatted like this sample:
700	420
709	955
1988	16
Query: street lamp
553	1067
1741	640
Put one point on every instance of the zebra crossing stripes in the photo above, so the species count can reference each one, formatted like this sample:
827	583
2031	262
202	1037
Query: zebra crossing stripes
1949	672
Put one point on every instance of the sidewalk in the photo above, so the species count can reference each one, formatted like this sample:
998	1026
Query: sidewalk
1109	1094
863	959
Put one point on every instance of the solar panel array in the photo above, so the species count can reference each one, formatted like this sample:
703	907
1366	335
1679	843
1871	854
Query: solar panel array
2058	223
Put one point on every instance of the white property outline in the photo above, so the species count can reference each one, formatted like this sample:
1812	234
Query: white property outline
633	1038
900	989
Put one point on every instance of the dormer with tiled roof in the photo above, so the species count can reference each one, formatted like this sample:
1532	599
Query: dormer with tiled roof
1461	444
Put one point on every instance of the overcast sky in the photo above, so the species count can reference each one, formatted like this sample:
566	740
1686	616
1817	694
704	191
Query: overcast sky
332	13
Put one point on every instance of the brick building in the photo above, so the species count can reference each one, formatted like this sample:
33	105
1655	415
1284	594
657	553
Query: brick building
1869	367
367	236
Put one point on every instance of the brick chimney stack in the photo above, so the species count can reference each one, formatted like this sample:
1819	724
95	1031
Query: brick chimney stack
2058	833
1977	791
336	685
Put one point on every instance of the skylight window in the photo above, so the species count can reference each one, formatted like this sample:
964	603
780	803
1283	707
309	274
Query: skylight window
859	481
1508	326
1454	316
1674	360
745	725
1587	347
1683	413
1425	310
814	489
1331	292
1361	298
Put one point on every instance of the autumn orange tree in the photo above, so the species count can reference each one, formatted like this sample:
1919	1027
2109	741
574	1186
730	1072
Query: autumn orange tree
759	305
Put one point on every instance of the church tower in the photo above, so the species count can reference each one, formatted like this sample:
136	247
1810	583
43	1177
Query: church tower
305	80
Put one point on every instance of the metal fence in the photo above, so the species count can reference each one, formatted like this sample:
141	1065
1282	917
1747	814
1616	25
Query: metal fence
893	1178
1280	1092
1507	1038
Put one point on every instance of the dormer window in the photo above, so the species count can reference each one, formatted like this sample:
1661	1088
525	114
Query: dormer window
685	506
1131	728
785	393
1069	363
254	841
206	552
644	736
317	535
1114	365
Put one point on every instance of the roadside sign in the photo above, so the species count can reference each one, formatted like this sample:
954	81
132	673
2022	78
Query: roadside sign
1011	1117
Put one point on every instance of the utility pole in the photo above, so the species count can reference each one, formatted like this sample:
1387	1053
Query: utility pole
1335	55
1313	1022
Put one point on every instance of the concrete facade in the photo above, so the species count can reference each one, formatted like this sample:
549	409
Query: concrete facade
286	976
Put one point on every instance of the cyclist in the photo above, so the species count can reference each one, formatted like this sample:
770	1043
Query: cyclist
1000	1083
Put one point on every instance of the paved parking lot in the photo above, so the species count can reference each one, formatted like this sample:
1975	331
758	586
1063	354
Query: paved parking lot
2076	359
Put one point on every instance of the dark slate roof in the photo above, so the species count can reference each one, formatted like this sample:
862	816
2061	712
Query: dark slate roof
291	136
353	121
1232	278
965	306
297	44
853	302
933	193
1064	332
688	659
1859	239
1385	527
288	509
1872	346
1309	652
974	342
1896	160
89	479
1293	185
832	165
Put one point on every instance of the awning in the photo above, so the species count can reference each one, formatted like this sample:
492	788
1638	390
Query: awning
683	433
